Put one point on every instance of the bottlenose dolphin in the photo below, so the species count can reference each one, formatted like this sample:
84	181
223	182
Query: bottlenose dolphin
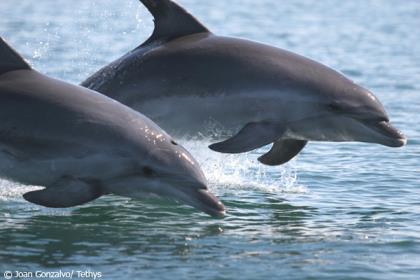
184	77
80	144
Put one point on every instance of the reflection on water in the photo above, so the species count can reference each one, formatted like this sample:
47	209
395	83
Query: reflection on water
138	228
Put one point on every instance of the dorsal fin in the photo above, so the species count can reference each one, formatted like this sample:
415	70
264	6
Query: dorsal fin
171	21
9	59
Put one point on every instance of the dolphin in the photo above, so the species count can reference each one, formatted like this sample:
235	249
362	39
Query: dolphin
184	78
80	144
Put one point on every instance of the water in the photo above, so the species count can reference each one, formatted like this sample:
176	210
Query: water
339	211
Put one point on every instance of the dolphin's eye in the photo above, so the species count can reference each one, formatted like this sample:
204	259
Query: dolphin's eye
174	143
333	107
147	171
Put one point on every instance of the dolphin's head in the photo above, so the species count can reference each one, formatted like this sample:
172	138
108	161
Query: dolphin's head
168	170
348	112
366	117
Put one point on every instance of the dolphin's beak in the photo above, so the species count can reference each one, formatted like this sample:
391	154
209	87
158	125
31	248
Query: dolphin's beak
197	195
205	201
390	136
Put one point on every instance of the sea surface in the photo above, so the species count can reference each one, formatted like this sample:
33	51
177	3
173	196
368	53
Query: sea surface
338	211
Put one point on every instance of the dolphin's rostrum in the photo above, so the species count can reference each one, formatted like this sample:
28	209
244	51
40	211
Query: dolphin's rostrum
184	77
80	145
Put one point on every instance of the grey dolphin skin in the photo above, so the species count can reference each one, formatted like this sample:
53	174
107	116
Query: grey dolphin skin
186	78
80	144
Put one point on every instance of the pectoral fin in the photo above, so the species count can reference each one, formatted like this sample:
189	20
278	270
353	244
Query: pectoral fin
250	137
66	192
282	151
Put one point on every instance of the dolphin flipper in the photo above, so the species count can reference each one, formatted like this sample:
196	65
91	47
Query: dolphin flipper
250	137
66	192
171	21
282	151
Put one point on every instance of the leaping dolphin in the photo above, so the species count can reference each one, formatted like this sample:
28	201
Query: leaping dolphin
184	77
80	145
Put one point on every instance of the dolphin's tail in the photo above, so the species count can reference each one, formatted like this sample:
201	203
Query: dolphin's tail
9	59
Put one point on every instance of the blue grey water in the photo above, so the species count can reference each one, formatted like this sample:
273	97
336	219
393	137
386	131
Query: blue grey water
339	211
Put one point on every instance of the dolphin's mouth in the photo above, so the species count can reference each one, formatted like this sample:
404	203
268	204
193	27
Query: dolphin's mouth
391	136
195	193
205	201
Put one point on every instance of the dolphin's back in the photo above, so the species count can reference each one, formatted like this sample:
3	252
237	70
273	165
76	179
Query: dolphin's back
208	65
183	58
46	116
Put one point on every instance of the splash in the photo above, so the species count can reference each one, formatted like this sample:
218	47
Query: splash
243	171
11	191
41	50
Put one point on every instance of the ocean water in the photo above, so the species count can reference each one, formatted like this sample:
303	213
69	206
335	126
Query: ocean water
338	211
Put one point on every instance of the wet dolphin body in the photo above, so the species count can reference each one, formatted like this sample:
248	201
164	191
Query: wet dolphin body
80	145
184	77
